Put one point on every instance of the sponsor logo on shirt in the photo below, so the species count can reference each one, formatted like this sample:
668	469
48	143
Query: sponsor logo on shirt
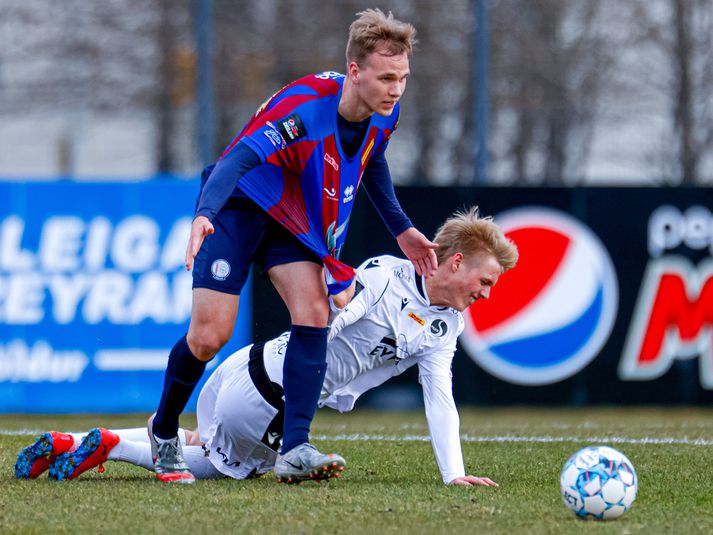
402	274
331	194
348	194
417	319
291	128
404	302
390	349
327	75
274	136
332	235
331	161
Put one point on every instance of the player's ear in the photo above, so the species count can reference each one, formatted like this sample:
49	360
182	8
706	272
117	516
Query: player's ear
353	68
456	261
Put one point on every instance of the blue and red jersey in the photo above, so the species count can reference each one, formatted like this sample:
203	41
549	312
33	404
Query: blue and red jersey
305	180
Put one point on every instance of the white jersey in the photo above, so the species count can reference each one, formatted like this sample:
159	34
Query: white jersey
389	326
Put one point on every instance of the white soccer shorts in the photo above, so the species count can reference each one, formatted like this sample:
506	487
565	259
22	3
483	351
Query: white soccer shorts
240	415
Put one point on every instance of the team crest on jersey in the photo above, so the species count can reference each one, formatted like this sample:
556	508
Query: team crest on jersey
291	128
439	328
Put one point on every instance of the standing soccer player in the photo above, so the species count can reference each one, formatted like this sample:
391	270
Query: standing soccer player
281	196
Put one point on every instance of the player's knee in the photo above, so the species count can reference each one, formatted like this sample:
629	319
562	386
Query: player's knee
312	314
205	343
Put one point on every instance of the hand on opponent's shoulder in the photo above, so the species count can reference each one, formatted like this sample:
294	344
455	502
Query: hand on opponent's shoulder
419	250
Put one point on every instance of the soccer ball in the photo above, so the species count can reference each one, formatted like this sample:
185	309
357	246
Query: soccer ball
598	482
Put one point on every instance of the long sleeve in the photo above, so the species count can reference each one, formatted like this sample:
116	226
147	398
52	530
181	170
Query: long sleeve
222	180
380	189
443	425
372	281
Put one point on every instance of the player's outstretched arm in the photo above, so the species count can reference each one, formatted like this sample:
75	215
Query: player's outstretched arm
200	228
420	250
473	481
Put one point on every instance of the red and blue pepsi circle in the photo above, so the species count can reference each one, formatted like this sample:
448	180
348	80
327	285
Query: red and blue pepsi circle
547	318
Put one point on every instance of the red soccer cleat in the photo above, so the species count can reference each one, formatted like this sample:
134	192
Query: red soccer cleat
34	460
93	451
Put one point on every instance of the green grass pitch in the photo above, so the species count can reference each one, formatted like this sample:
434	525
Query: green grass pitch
391	483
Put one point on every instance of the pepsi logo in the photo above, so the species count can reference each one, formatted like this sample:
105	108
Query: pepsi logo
547	318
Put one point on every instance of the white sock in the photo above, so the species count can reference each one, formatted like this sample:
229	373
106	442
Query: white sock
134	452
141	434
78	437
135	434
138	453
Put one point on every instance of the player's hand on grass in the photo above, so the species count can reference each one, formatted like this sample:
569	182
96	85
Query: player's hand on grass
420	250
200	228
472	481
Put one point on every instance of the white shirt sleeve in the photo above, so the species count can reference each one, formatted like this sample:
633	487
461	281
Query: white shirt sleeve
374	282
443	424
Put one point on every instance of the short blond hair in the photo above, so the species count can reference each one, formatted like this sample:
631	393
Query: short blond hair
374	30
468	233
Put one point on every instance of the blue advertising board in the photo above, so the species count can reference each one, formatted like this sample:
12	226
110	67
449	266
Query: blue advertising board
94	293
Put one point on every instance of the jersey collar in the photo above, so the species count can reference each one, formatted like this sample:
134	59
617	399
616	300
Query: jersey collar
421	287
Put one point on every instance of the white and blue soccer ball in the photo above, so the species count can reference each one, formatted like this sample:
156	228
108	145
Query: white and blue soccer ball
598	482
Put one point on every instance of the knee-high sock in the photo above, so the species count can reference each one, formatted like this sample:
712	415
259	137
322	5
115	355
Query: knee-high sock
139	454
302	378
135	434
183	372
130	451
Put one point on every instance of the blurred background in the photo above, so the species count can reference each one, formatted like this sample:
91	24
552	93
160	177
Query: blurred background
584	127
578	92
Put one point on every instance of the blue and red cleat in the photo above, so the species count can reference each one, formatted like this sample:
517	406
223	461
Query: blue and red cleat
34	460
93	451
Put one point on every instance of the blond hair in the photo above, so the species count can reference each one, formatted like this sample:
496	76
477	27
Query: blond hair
468	233
374	30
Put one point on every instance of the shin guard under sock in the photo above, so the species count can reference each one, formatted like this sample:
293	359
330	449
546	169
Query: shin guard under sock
302	378
183	372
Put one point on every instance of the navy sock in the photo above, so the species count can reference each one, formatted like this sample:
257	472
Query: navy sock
183	372
302	378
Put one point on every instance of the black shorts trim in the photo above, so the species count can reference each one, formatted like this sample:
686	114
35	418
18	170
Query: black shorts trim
272	392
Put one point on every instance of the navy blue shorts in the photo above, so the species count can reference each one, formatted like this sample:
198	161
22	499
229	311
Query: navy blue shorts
244	234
